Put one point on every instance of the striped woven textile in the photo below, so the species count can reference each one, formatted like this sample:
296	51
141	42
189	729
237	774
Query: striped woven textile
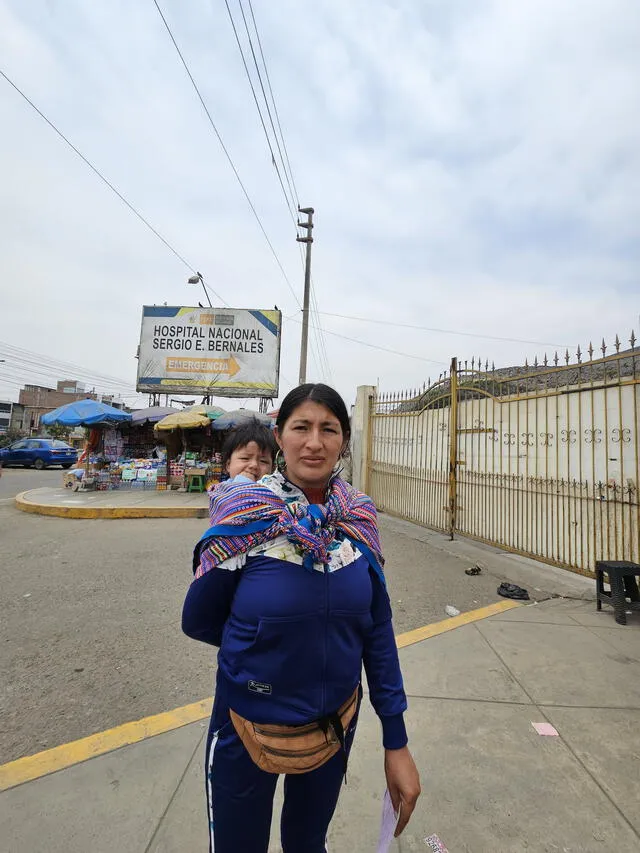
244	515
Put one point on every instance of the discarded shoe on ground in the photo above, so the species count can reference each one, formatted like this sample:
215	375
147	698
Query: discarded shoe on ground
510	590
474	570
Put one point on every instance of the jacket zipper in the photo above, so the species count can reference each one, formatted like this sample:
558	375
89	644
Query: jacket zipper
326	630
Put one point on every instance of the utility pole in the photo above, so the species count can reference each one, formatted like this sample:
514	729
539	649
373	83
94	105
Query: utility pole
302	376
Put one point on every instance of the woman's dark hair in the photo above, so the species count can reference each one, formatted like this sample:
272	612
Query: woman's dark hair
317	393
244	434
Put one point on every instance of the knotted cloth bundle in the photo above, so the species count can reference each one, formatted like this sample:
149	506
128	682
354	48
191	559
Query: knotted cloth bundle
245	515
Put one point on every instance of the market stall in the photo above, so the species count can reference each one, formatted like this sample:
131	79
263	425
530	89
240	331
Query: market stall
157	448
97	418
194	462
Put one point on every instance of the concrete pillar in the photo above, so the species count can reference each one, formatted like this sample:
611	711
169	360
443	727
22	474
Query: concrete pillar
360	434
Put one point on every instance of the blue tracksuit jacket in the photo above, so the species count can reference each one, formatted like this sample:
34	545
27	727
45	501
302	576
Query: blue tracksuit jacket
292	641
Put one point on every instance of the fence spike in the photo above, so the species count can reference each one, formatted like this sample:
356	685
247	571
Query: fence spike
493	365
535	361
603	348
545	360
632	339
590	351
617	343
526	364
579	355
473	362
566	356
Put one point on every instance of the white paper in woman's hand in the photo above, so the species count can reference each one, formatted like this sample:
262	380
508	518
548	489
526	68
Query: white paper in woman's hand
388	824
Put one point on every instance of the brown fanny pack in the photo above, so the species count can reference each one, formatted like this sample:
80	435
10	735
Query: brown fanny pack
296	749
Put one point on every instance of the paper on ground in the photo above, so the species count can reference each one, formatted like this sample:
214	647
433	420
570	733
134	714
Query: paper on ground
545	729
434	844
388	824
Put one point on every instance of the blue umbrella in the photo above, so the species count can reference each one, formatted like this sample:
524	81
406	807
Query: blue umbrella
85	413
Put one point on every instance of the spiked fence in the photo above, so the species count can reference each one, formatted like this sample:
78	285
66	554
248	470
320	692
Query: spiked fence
541	459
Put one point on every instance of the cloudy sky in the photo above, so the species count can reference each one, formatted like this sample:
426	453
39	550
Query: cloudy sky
474	166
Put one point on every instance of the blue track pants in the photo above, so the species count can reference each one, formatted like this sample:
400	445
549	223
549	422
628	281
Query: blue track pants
240	796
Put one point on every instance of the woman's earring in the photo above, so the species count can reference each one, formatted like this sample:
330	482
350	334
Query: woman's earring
280	463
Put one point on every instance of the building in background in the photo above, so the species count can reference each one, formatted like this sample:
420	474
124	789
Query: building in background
6	410
37	400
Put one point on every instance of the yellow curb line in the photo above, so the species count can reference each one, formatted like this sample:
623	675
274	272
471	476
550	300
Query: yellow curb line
67	754
25	505
436	628
60	757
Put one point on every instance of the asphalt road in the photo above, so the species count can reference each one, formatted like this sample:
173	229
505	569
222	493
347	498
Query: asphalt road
16	480
90	620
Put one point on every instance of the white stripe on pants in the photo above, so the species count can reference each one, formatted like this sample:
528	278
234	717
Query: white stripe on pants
214	741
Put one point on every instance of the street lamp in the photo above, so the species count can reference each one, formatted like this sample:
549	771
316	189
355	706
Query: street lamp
197	279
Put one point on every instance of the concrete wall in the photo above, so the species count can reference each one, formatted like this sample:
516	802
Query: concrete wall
360	428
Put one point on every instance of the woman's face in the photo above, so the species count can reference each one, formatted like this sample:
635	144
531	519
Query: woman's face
311	441
250	461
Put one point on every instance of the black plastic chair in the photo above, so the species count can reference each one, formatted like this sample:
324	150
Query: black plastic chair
622	586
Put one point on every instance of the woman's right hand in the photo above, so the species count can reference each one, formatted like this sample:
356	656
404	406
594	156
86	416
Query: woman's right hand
403	783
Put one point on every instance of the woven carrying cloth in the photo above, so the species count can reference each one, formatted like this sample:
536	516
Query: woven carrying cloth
245	515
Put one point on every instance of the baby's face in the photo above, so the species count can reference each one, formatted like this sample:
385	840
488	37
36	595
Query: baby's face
250	461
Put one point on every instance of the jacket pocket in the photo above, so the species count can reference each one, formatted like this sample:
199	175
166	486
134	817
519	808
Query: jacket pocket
284	663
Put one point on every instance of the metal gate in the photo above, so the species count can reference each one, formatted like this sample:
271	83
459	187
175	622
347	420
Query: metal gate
542	460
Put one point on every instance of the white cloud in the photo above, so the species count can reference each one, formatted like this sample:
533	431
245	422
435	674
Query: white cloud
473	165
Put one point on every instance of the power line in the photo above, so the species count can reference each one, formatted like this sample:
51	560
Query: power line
274	105
99	174
226	152
18	354
324	364
61	368
376	346
266	102
441	331
320	333
255	98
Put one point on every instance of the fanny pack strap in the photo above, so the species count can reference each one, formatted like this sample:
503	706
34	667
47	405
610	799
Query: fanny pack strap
334	721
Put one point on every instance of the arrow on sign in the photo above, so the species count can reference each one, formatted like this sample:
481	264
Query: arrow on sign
232	366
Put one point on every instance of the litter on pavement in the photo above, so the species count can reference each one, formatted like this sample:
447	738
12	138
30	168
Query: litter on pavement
450	610
473	570
545	729
510	590
434	844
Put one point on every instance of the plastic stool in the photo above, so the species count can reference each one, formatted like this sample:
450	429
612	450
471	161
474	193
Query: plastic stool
622	581
196	483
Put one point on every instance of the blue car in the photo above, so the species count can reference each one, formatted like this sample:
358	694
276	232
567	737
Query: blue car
39	453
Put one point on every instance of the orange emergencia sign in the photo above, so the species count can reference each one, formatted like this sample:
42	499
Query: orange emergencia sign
228	366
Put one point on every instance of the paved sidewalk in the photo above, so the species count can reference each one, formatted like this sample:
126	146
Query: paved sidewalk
490	782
